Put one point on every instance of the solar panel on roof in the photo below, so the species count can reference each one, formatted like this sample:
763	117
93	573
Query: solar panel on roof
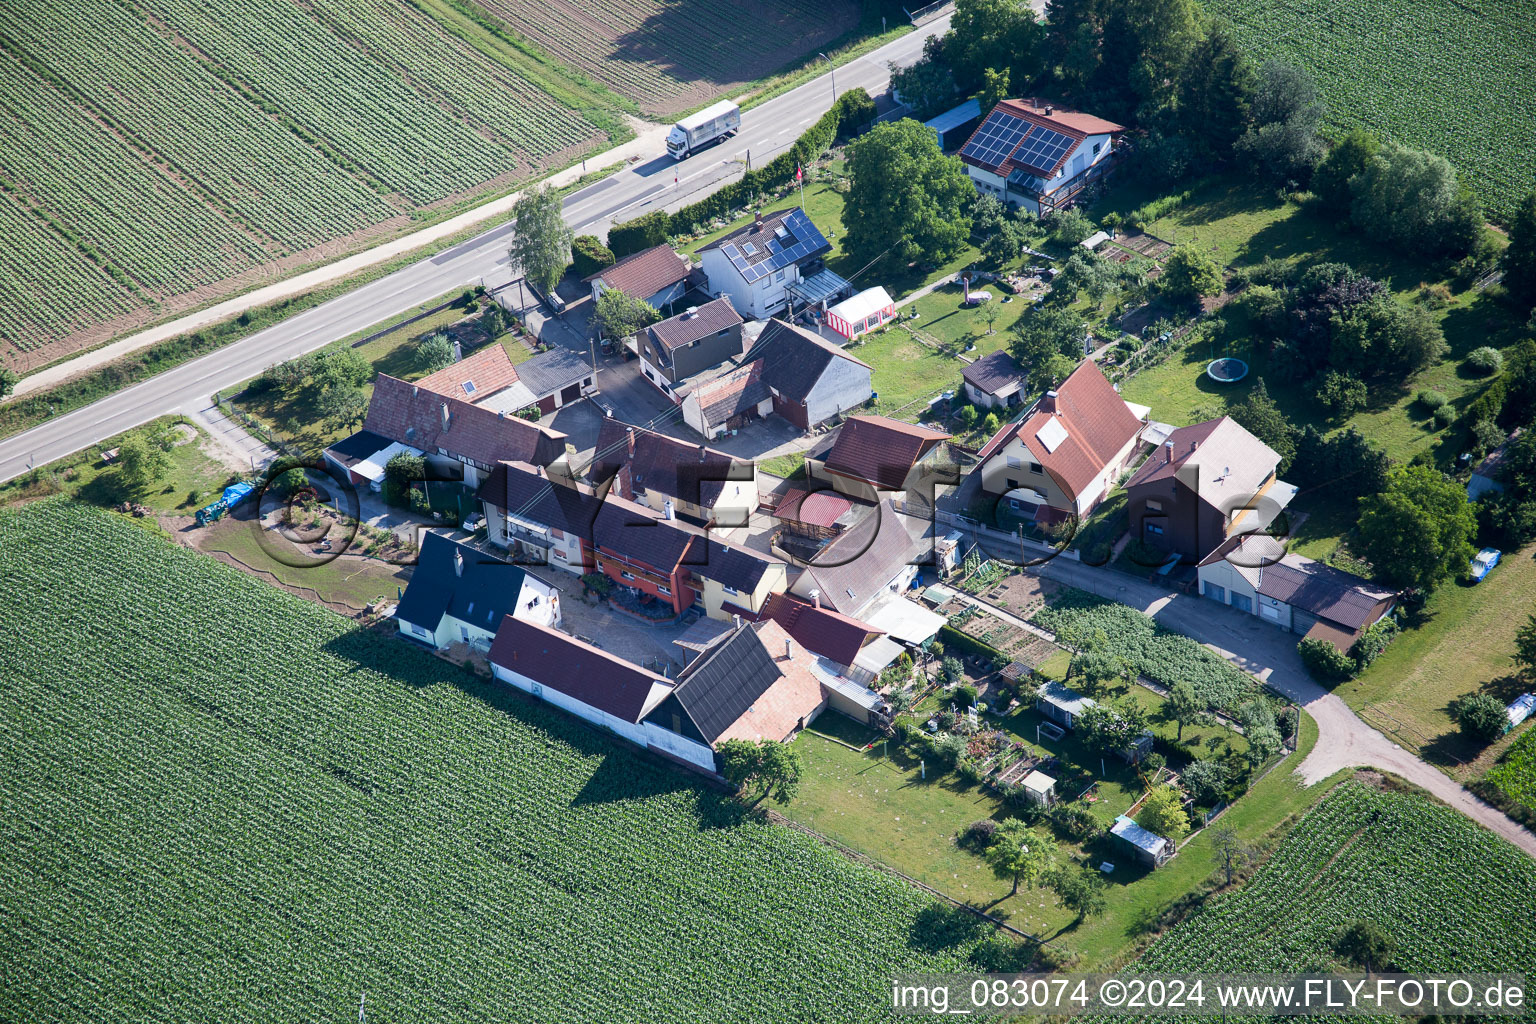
1043	148
995	139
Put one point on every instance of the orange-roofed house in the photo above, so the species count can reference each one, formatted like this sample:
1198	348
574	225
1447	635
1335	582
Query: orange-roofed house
873	456
1066	452
1039	156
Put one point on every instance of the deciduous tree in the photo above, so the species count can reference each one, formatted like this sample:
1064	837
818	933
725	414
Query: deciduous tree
618	316
1190	273
1163	814
906	198
1183	706
1229	850
1367	944
1413	199
1418	530
1349	156
776	767
1018	853
1261	417
1080	890
541	245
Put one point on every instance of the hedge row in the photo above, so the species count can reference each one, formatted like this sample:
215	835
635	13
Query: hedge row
955	640
852	111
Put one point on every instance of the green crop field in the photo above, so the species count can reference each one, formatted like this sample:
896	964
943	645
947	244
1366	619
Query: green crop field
670	57
1455	78
1515	774
224	803
1448	893
157	153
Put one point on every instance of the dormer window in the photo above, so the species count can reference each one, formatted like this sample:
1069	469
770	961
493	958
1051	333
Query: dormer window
749	248
469	387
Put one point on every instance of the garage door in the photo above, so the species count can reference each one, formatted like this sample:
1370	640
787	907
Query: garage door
1243	603
1216	593
570	394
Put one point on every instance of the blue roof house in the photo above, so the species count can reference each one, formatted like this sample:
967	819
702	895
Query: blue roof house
459	594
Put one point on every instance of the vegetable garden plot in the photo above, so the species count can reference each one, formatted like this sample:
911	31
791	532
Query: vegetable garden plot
1453	896
225	803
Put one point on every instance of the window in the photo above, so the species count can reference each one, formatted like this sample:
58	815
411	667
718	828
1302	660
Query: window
779	276
559	554
1013	484
419	630
648	374
1014	462
663	590
627	575
1155	529
1034	467
1096	147
729	590
538	690
1154	505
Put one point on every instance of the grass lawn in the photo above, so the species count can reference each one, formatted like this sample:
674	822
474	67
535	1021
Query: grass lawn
907	372
296	418
1463	643
84	476
788	467
881	806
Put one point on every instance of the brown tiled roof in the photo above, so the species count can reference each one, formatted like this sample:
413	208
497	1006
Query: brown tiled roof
641	275
744	687
638	534
994	371
710	318
560	662
688	472
487	371
822	630
777	712
881	450
413	415
1060	118
1097	423
732	394
794	358
818	508
521	490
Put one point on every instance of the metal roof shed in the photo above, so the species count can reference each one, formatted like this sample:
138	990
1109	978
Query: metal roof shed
1149	847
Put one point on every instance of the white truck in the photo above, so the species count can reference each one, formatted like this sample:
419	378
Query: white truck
696	131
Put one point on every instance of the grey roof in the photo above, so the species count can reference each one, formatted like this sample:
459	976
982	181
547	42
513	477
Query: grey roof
687	327
1322	590
794	359
783	238
1065	697
482	594
1218	459
550	371
863	560
734	566
1137	836
689	472
352	450
522	491
991	372
970	110
719	687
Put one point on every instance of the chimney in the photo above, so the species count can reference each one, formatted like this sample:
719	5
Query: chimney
666	510
789	649
815	598
445	416
690	312
758	223
415	390
1048	403
1168	448
737	620
702	451
1193	445
1049	110
458	562
631	440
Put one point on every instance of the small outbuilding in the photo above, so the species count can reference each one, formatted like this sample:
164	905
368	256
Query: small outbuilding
1040	788
1062	704
1147	847
863	312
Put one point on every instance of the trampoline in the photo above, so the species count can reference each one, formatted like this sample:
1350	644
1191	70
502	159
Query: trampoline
1227	370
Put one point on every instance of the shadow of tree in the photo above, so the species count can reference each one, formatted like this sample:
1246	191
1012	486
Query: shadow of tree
942	926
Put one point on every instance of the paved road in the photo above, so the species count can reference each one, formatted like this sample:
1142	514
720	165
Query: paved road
646	185
1344	741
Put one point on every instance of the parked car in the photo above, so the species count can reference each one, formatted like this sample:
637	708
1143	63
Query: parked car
1483	563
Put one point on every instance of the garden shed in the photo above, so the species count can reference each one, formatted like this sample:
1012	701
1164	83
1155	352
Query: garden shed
1148	847
1040	788
1062	704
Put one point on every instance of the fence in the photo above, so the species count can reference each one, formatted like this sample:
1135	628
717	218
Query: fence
406	322
927	13
1010	543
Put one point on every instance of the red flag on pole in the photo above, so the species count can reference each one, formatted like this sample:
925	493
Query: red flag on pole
799	171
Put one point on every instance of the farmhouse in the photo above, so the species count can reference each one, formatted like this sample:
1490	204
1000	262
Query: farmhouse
1208	482
757	684
809	379
656	275
540	520
695	340
879	555
1148	848
460	440
1064	454
488	379
874	455
1254	574
657	471
853	648
458	594
756	265
1039	156
995	381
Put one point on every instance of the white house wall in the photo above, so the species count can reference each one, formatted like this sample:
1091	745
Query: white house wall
843	386
681	747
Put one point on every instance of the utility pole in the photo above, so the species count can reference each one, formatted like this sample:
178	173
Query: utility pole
834	75
522	303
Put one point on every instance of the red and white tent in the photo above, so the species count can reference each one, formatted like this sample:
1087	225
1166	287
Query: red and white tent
863	312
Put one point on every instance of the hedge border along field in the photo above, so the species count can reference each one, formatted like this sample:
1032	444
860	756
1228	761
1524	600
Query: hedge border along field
669	57
1457	79
1159	654
1453	896
154	150
225	803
